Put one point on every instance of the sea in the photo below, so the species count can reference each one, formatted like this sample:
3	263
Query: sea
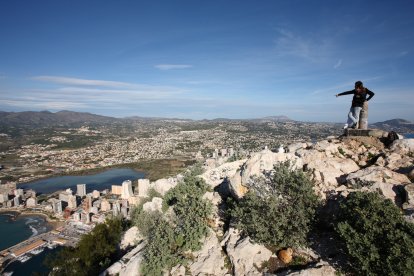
14	230
408	135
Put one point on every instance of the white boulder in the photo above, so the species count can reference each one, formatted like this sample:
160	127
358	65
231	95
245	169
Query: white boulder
244	255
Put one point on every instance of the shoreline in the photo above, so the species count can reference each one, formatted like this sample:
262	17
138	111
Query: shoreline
85	172
16	213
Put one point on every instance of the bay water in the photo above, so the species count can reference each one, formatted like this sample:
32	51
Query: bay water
14	230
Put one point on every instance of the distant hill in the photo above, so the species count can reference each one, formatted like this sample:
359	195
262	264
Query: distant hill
65	117
47	118
398	125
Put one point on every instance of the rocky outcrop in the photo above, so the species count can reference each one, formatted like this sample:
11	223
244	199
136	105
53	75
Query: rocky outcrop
129	264
155	205
377	174
130	237
246	257
320	269
337	166
255	166
403	146
216	176
210	259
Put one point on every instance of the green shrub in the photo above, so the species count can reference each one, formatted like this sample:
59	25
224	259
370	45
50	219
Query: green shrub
279	210
377	238
169	241
163	250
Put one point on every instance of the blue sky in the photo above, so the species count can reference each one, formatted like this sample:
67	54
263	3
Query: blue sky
207	59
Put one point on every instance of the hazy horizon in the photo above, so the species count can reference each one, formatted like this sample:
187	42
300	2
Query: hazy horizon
183	118
206	60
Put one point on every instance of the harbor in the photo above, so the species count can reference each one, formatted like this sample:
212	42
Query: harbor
26	249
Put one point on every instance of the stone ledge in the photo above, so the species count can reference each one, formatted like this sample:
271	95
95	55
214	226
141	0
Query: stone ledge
365	132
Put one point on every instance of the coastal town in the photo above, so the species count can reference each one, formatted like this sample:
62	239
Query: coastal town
75	213
55	151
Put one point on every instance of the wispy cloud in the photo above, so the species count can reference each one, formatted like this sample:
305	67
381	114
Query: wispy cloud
81	82
172	66
339	63
402	54
310	48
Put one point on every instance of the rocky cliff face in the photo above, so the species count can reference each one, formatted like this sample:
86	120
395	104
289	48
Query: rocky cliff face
338	166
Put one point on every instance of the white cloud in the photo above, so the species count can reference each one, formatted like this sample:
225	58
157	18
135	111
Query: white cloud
172	66
81	82
402	53
310	48
57	105
339	63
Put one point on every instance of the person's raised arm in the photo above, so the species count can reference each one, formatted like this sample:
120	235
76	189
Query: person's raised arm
345	93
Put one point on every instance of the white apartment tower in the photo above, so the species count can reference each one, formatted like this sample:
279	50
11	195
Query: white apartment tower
81	190
127	189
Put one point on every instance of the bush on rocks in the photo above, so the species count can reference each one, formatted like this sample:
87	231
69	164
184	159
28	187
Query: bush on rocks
278	210
169	242
377	238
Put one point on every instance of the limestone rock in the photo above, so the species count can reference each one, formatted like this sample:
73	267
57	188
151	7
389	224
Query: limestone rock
129	264
259	162
210	259
396	161
386	189
130	237
409	193
164	185
215	176
244	255
411	174
377	174
154	205
326	147
403	146
329	170
177	270
320	269
294	147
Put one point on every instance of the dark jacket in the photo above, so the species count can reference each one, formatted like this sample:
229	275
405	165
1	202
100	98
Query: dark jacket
359	98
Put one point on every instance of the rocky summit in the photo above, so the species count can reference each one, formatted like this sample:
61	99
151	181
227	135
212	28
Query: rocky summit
337	166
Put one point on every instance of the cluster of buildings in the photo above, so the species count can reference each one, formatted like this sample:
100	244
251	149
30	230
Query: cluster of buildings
11	197
79	206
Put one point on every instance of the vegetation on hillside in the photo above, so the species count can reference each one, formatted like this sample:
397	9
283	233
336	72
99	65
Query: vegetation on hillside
277	211
170	241
377	238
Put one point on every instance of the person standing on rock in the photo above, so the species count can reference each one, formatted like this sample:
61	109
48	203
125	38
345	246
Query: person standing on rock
360	97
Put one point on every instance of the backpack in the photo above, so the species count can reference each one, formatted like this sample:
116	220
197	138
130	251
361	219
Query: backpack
392	136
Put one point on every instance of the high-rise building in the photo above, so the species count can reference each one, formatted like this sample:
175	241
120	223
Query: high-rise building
127	189
81	190
17	200
116	189
87	204
56	205
19	192
72	203
31	202
4	197
143	187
